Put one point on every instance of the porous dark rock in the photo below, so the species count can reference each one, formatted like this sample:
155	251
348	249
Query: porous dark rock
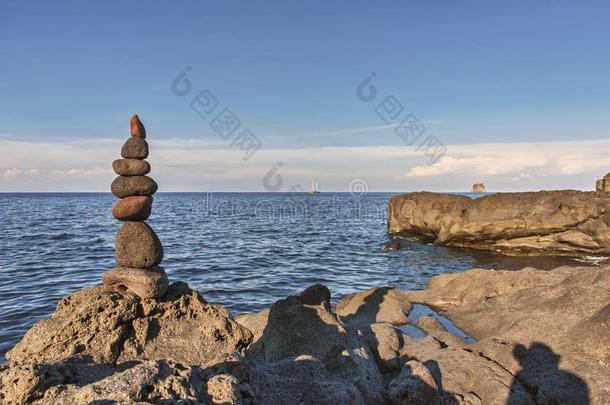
309	344
126	186
136	127
145	283
564	222
542	330
137	245
134	208
414	386
392	246
131	167
135	148
110	328
315	295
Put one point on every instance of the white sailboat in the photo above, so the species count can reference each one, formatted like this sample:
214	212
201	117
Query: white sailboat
315	187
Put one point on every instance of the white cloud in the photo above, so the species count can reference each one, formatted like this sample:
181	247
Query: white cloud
194	165
521	160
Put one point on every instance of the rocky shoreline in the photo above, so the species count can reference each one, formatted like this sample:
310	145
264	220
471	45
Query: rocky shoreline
536	337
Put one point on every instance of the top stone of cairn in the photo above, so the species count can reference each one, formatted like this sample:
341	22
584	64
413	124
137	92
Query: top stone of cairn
137	128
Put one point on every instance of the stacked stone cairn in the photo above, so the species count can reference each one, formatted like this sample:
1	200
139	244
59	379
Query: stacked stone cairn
138	251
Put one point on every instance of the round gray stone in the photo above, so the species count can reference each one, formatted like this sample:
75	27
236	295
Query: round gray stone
135	148
126	186
137	245
131	167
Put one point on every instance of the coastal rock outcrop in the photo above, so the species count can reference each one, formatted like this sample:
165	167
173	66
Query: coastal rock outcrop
486	337
138	250
479	188
603	185
545	222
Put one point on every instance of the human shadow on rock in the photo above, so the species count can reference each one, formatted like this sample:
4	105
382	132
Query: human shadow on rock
547	383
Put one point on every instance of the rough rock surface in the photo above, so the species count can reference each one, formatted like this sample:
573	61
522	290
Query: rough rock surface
110	328
135	148
547	330
131	167
137	246
314	358
545	222
541	338
145	283
374	305
134	208
125	186
414	385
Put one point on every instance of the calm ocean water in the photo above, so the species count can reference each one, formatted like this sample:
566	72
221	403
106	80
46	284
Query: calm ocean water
241	250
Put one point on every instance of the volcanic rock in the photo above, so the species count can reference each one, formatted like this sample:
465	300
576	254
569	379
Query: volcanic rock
135	208
414	386
131	167
545	222
137	245
137	128
126	186
315	295
110	328
547	329
479	188
135	148
145	283
308	344
599	186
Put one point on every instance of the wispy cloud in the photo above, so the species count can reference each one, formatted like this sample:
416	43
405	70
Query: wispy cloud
194	165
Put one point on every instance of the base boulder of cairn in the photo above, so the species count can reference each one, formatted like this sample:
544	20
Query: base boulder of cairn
138	250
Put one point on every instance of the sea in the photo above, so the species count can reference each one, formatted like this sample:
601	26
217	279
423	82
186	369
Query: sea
240	250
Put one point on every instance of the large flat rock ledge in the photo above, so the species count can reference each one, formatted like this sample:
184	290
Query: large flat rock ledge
565	222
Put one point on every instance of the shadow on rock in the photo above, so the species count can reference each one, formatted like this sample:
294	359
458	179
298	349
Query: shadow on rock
541	375
310	358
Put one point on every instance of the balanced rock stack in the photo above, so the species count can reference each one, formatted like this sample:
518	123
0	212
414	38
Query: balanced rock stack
138	251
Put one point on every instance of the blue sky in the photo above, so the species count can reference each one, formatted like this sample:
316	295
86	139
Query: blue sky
516	91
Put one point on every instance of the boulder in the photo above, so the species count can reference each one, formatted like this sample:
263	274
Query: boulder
315	295
131	167
546	222
479	188
126	186
109	328
145	283
599	185
136	127
137	245
134	208
309	344
392	246
135	148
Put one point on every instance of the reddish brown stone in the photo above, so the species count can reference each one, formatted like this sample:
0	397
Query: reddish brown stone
145	283
135	208
137	128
